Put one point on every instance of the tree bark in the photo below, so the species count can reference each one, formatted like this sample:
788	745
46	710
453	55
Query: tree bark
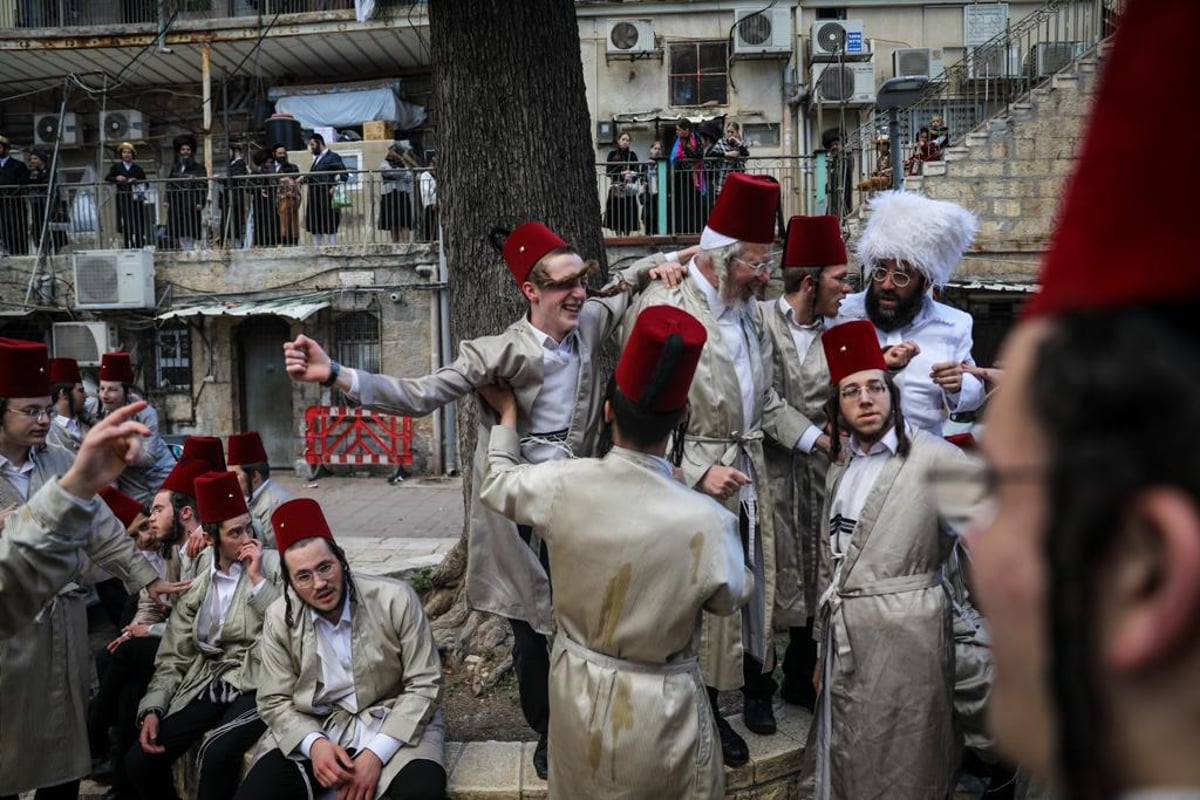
514	145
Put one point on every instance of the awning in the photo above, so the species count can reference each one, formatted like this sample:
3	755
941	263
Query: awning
993	286
295	308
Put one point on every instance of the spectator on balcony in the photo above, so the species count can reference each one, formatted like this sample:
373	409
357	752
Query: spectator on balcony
924	150
650	196
939	132
14	228
687	180
38	189
881	176
287	197
328	170
233	225
186	189
734	151
130	180
840	171
396	198
263	215
429	200
620	211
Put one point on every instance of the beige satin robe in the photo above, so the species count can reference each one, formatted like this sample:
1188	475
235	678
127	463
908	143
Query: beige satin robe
45	669
396	668
182	670
797	478
270	498
636	556
884	723
717	434
504	575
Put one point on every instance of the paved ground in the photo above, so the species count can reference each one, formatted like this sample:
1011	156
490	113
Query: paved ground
418	508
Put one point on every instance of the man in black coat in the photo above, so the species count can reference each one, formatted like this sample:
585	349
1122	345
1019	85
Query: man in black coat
233	224
186	190
130	180
14	224
327	171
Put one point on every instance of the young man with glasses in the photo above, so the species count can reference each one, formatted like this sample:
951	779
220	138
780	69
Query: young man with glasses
552	357
911	244
44	663
884	721
350	678
733	409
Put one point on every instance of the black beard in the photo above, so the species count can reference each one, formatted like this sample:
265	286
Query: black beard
890	319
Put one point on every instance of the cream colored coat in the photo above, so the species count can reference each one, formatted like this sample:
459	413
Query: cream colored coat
886	642
797	478
182	670
636	556
395	663
504	575
45	670
717	434
270	498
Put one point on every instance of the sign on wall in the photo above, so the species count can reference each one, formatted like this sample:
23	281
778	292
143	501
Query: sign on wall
981	23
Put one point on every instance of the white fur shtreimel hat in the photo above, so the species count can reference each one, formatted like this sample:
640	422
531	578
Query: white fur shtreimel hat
928	235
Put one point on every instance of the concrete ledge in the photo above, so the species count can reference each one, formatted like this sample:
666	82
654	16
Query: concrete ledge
504	770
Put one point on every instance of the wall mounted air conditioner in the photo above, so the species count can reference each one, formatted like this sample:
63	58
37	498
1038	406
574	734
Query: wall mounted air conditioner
838	38
849	84
927	61
759	33
47	128
994	62
629	37
122	125
114	279
84	341
1046	58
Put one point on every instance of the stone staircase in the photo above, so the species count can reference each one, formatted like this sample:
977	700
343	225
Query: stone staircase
1012	169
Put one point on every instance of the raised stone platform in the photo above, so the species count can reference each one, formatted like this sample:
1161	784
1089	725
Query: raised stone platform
504	770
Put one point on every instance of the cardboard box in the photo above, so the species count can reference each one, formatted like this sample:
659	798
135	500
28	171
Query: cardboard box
378	130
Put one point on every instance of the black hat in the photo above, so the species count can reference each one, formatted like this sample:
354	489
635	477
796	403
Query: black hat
185	138
710	129
41	153
262	156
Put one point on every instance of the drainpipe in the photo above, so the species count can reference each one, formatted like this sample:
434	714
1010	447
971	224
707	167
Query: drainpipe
435	361
450	409
206	83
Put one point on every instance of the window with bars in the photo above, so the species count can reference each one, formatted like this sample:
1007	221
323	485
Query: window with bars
356	338
173	358
699	73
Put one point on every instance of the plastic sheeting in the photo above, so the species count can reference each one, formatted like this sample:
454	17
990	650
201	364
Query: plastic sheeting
341	109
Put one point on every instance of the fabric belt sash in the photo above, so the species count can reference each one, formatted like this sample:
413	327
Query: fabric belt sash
831	604
680	663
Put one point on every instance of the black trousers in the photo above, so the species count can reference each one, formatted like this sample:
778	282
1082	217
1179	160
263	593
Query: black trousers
799	661
64	791
531	660
236	728
277	777
115	705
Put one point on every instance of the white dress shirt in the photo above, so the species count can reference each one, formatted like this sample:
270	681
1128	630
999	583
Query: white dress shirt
337	687
215	608
732	323
804	337
554	406
854	488
20	476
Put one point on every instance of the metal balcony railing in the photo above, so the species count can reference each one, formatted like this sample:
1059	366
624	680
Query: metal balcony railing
92	13
987	81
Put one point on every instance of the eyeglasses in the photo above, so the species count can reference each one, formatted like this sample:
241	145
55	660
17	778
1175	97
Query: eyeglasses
325	570
966	492
873	388
34	412
881	274
766	266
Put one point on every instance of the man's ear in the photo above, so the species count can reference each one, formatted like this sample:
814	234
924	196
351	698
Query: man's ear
530	291
1149	592
608	412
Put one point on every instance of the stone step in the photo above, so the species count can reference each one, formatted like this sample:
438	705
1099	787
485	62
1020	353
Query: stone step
976	139
956	153
933	169
1064	80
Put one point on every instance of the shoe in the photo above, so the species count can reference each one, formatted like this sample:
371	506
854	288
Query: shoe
541	758
734	750
803	695
758	715
101	771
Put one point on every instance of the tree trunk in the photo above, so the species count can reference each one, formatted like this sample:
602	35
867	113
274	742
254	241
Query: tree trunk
513	145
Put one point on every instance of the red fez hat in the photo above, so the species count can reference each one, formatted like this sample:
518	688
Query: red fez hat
207	449
745	208
124	507
963	441
182	478
851	347
659	360
1105	232
116	367
297	520
219	497
526	245
246	448
24	369
814	242
65	370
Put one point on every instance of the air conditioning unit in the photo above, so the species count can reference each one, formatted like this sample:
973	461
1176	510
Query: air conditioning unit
997	61
629	37
927	61
48	129
1046	58
849	84
122	125
759	33
84	341
114	279
838	38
